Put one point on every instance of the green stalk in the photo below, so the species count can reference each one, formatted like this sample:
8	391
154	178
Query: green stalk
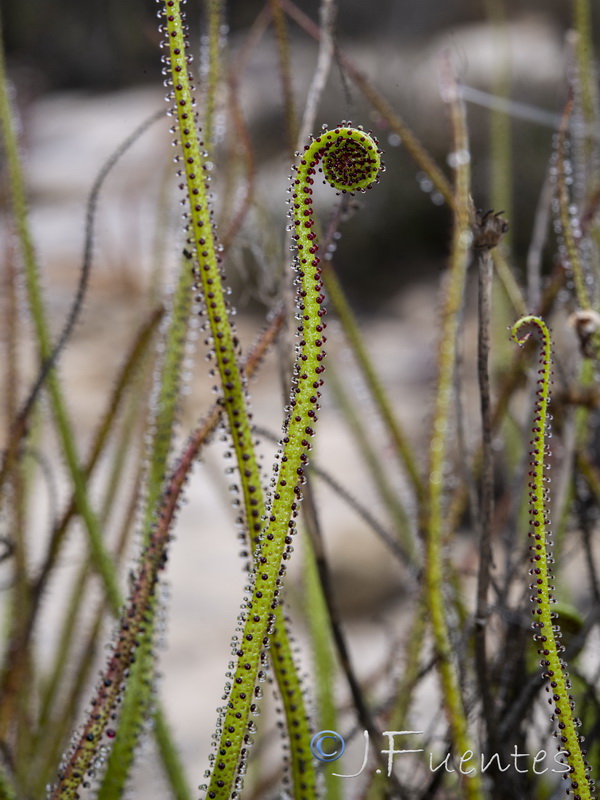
546	630
350	161
435	526
233	382
206	253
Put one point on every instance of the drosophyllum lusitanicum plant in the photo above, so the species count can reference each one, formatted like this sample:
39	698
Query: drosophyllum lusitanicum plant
500	726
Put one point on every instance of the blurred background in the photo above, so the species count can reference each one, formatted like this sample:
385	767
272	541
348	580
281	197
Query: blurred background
103	45
88	51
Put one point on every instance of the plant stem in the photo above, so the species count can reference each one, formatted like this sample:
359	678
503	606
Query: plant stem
546	631
486	504
434	577
350	161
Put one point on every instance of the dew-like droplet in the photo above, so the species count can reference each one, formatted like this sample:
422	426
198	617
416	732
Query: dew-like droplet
458	158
